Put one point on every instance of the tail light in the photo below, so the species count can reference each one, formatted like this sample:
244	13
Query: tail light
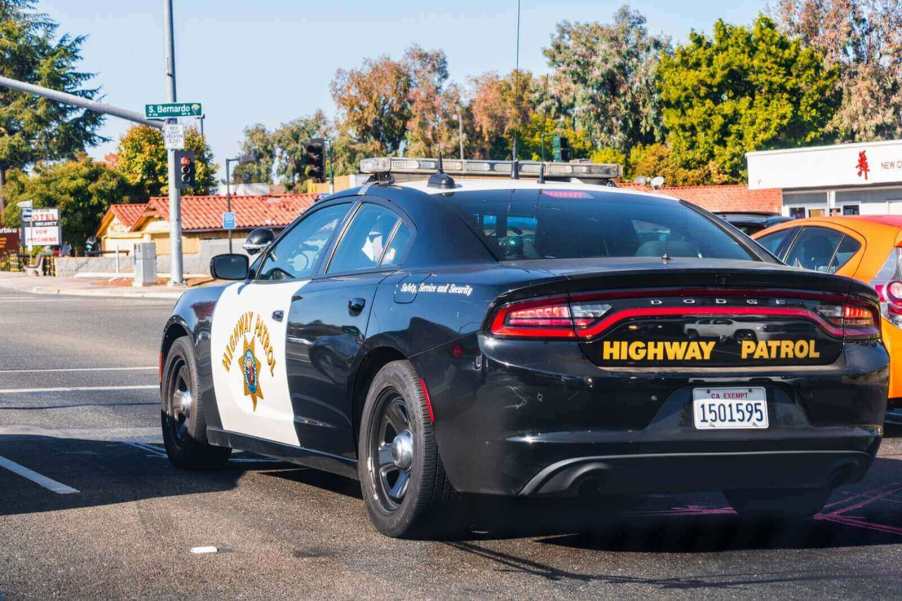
888	284
586	318
856	321
547	318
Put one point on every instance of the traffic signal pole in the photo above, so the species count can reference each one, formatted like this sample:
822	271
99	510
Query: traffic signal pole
176	272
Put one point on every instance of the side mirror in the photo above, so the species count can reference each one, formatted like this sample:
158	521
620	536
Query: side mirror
229	267
258	239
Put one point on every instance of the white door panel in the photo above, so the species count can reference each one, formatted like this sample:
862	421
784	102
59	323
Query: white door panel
247	349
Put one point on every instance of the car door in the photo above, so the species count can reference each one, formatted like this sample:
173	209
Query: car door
249	330
327	326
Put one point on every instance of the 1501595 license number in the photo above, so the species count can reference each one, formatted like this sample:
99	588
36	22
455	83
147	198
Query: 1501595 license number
730	408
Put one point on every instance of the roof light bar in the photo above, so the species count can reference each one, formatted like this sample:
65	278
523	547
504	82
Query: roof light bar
428	166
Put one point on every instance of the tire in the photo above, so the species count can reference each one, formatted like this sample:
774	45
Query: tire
401	474
778	503
181	417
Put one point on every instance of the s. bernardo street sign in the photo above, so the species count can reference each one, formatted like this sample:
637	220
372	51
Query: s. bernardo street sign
173	109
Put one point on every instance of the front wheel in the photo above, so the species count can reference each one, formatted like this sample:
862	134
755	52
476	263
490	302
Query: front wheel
401	474
778	503
181	416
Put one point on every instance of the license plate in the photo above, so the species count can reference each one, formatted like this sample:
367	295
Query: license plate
730	408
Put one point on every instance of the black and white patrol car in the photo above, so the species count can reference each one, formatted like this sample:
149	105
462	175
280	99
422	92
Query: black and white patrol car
526	337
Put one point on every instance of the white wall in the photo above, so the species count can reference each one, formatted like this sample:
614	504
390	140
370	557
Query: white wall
826	166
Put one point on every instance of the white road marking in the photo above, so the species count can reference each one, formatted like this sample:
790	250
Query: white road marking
202	550
76	389
41	480
76	369
161	453
156	452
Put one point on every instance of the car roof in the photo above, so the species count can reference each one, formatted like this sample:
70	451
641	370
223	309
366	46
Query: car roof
891	220
747	214
850	221
478	185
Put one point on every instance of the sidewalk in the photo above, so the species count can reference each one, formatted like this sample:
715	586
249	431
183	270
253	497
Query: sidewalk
98	287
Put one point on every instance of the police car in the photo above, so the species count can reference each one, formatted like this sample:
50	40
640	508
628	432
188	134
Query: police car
525	334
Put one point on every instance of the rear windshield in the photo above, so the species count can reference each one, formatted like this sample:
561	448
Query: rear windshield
569	224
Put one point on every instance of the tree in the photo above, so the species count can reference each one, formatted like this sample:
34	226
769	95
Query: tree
32	128
502	108
82	189
259	146
373	107
434	107
864	39
604	77
141	159
746	89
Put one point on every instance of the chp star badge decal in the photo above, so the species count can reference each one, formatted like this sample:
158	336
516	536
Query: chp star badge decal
250	329
250	369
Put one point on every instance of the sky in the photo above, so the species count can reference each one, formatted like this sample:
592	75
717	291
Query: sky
270	61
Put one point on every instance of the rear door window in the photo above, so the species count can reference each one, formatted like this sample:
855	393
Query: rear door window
815	249
362	246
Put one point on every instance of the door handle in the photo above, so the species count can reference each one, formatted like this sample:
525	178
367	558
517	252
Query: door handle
278	315
356	305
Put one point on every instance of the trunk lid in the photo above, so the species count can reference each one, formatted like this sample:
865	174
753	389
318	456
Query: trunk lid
690	312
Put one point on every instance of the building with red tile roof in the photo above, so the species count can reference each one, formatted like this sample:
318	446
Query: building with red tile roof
721	197
124	225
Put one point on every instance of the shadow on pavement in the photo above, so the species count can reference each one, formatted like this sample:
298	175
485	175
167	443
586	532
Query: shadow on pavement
868	513
103	472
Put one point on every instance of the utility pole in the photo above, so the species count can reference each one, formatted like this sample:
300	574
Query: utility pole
517	82
460	132
176	273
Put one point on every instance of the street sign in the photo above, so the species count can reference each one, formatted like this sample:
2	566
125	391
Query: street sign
174	136
41	215
43	236
9	240
173	109
229	222
26	214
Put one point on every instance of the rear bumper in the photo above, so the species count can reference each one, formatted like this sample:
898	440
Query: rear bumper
686	472
510	423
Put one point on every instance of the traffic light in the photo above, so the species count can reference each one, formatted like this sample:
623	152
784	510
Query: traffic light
187	170
315	159
560	148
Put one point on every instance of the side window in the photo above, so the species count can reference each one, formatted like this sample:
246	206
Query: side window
394	253
847	249
776	242
295	255
814	249
364	243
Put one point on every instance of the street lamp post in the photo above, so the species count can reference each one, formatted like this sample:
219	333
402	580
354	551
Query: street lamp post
228	162
240	160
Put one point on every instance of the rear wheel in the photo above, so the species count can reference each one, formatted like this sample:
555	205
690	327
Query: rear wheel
184	428
401	474
778	503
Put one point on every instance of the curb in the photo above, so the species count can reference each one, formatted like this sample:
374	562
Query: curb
106	293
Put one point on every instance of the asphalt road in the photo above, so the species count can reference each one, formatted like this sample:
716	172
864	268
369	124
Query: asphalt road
78	406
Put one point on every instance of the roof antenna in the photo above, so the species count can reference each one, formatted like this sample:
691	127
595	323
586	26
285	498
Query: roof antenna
515	169
440	179
541	173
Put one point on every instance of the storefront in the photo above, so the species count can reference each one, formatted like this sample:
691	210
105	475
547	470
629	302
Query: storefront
846	179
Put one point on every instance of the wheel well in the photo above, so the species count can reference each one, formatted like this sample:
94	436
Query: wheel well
173	333
375	360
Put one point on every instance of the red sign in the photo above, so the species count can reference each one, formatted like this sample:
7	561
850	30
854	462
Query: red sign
9	240
863	168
